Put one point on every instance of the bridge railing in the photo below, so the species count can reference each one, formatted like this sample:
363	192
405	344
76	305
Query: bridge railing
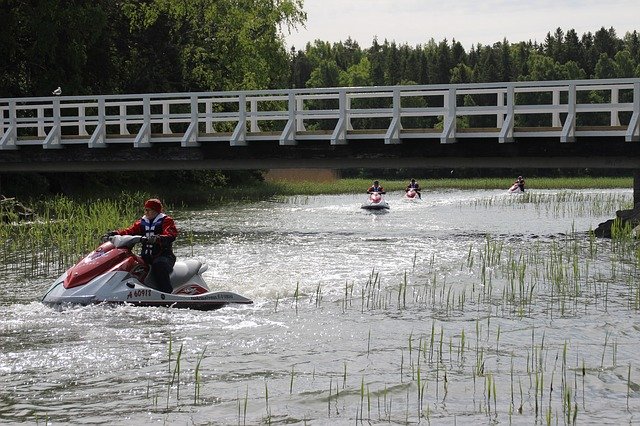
502	111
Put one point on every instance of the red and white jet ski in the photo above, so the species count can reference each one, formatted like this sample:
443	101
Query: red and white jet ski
515	189
375	202
113	274
412	195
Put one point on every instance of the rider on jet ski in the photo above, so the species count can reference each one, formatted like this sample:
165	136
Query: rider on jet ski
415	186
520	183
376	188
160	232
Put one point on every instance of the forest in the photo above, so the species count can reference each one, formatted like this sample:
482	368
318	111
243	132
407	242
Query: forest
132	46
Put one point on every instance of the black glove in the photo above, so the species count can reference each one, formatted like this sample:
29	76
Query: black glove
106	236
153	239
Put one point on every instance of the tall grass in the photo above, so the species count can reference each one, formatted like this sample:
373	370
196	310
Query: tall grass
63	231
282	187
340	186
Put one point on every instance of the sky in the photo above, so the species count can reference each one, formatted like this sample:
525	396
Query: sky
468	21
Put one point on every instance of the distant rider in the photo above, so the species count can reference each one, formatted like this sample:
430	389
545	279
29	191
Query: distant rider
415	186
160	232
376	188
520	183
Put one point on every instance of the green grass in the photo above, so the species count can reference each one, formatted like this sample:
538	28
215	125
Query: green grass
276	188
342	186
176	197
62	231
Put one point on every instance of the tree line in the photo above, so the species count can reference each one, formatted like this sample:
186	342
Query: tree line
133	46
561	56
142	46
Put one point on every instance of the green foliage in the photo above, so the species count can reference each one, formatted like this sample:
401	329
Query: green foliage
562	56
605	68
325	75
356	75
132	46
47	240
136	46
178	186
46	43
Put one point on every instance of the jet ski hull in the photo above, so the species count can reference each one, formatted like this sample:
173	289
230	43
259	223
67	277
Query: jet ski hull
378	206
515	189
375	201
125	289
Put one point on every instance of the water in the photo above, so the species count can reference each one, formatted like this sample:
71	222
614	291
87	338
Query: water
470	306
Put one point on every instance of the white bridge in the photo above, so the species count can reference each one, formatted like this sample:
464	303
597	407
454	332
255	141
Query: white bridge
565	110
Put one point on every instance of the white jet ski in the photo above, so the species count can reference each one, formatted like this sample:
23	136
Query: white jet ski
113	274
375	201
515	189
412	195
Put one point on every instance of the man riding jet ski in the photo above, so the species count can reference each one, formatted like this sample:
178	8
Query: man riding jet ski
112	273
157	250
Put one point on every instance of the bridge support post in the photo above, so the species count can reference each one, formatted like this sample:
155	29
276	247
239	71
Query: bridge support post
123	121
569	129
190	138
393	132
506	132
300	121
166	111
239	136
143	138
615	99
339	135
40	113
449	129
254	116
9	138
555	101
288	135
633	131
52	141
82	116
208	110
99	136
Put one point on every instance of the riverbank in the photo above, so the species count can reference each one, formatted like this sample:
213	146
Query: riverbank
209	193
343	186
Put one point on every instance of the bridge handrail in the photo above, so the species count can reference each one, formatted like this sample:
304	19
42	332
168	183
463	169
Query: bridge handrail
616	83
33	120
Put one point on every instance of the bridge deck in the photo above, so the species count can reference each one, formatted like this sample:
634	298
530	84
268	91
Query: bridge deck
476	132
293	122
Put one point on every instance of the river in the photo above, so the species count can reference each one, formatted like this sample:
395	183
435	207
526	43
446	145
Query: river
468	306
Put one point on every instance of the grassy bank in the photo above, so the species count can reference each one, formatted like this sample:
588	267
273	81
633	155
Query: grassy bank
201	194
27	248
261	190
340	186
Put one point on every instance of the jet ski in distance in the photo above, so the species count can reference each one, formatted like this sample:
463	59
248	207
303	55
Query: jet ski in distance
375	201
515	189
411	195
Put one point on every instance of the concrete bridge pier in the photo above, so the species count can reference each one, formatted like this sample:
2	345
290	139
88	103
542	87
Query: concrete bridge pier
636	189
